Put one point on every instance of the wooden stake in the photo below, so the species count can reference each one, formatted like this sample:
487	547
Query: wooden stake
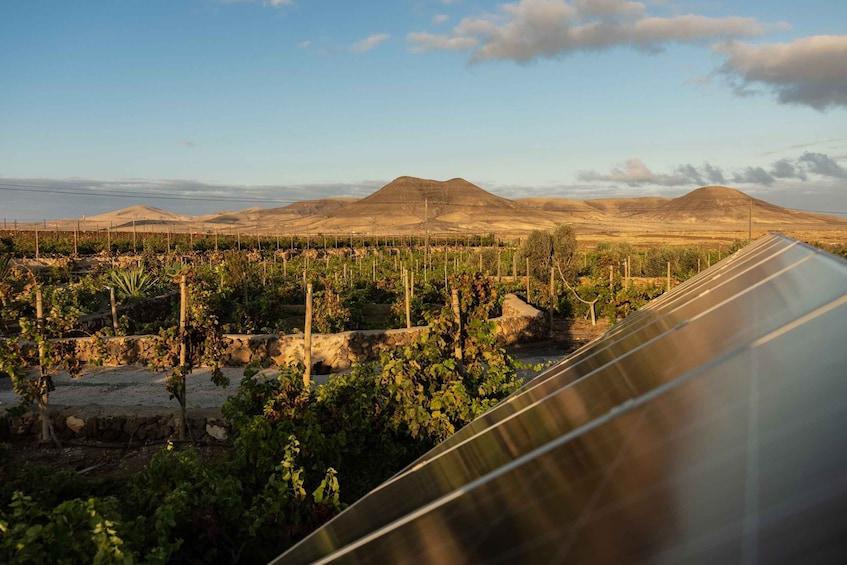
307	339
39	324
183	354
457	317
552	296
408	301
669	276
114	309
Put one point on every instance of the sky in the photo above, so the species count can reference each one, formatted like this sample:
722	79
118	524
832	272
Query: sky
197	106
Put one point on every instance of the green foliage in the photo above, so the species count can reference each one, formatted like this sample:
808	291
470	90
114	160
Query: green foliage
330	315
183	509
564	252
538	248
373	421
545	249
132	284
75	531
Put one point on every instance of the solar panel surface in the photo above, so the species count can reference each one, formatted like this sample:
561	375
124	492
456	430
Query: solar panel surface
707	427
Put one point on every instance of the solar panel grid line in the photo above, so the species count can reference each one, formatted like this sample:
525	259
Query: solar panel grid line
544	399
705	278
760	245
456	438
677	382
512	401
556	371
830	273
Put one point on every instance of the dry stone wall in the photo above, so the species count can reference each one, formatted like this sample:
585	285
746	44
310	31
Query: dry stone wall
138	425
330	352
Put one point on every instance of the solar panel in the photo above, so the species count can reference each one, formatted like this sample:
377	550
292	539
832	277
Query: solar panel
708	427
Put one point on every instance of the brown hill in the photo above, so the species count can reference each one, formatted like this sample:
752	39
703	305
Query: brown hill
721	204
139	213
409	202
312	207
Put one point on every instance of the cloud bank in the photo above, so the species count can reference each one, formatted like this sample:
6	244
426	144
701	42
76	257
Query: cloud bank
635	173
810	71
531	29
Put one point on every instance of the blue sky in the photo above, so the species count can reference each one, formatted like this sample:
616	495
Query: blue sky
229	104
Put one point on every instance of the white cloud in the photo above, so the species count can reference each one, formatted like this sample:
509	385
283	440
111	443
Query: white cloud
810	71
809	166
529	29
369	42
186	142
608	8
439	19
634	173
423	42
304	44
273	3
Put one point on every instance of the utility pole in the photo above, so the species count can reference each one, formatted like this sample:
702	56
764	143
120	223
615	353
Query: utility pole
750	222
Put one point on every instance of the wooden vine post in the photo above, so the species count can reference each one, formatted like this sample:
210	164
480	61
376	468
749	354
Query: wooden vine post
114	309
669	276
552	296
183	354
408	298
43	398
528	299
457	316
307	339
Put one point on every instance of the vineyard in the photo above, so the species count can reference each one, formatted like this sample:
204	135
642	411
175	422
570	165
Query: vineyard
258	284
299	453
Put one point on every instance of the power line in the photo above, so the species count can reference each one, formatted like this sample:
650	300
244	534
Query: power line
134	194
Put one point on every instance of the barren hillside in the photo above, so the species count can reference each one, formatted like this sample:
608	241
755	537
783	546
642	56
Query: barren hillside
412	205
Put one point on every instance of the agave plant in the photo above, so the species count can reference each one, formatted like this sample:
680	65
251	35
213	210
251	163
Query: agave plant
132	284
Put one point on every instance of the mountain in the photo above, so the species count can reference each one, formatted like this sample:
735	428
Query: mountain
722	204
413	205
141	215
409	202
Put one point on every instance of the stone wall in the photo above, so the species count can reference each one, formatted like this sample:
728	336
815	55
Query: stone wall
135	425
330	352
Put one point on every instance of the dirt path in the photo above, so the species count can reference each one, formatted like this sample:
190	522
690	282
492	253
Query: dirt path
139	387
